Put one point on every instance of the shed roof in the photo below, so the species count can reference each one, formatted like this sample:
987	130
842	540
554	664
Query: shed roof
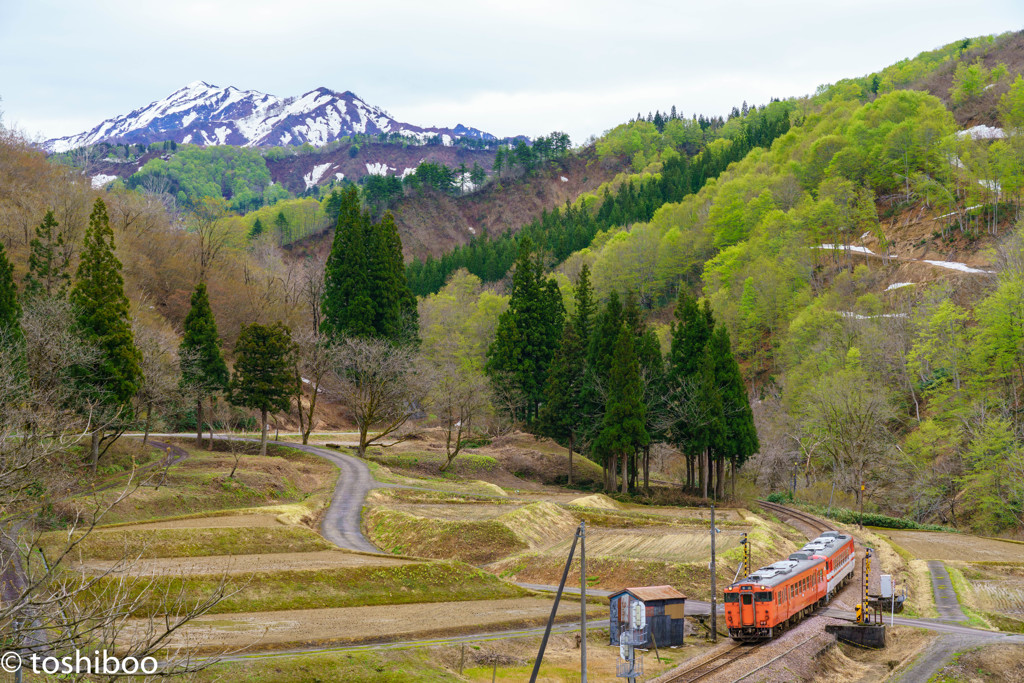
646	593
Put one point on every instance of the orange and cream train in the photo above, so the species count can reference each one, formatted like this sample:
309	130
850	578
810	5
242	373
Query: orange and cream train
763	604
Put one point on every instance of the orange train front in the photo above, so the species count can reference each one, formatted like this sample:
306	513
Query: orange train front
763	604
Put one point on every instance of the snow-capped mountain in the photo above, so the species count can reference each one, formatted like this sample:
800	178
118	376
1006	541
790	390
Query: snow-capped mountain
203	114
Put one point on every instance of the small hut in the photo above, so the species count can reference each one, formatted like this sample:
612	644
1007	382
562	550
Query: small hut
663	606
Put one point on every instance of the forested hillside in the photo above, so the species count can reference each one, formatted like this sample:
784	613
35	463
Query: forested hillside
843	271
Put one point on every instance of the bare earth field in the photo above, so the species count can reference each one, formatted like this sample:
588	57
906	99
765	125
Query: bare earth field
219	522
247	564
935	545
360	624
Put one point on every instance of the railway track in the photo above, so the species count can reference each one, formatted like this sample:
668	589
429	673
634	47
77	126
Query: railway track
782	511
709	667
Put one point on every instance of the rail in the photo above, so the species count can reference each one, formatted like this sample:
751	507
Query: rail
733	653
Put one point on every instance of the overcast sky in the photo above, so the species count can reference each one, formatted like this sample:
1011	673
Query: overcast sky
522	67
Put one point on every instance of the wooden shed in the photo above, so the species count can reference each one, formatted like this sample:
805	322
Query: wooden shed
663	606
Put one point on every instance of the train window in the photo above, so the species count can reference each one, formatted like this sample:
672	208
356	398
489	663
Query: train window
747	599
763	596
732	597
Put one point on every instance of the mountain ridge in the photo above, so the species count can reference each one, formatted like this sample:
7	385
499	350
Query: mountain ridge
204	114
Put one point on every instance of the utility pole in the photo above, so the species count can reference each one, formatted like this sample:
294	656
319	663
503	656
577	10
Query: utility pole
583	602
714	589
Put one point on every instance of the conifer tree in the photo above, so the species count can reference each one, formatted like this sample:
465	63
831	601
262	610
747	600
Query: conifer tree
527	334
256	230
10	308
347	306
366	293
102	313
203	371
690	334
583	318
739	436
622	429
264	379
47	262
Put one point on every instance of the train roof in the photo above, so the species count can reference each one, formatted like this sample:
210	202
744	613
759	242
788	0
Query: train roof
812	554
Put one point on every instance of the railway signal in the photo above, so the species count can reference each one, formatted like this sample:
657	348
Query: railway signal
745	542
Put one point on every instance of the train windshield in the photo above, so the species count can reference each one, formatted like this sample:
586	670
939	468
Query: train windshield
746	599
732	597
763	596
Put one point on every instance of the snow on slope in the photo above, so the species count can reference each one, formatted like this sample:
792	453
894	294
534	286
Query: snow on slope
201	113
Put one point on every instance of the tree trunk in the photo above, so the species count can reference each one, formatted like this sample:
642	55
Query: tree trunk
572	442
149	416
732	466
647	468
199	422
702	482
362	441
95	450
625	473
720	479
263	433
212	399
298	402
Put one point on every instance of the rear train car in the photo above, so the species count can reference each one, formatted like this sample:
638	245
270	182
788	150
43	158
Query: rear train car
763	604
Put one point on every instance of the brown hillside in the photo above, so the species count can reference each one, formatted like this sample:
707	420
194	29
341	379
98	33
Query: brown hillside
431	223
984	110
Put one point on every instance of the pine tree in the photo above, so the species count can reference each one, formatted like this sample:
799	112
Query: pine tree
622	429
527	334
10	309
583	318
203	371
47	261
347	306
366	292
101	308
256	230
264	378
739	437
690	334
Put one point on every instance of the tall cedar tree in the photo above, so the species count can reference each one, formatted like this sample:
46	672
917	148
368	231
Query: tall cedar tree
708	430
622	429
203	371
652	377
690	333
365	289
739	438
47	261
101	309
527	335
263	378
562	415
10	309
604	331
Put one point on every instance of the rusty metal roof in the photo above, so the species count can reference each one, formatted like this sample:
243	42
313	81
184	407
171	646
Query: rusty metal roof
646	593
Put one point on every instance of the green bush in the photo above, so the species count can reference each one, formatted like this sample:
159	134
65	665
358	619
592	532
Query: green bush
876	519
780	497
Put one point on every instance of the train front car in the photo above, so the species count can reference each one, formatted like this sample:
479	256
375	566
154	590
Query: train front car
761	605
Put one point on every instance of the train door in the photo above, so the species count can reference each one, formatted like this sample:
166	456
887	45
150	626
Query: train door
747	608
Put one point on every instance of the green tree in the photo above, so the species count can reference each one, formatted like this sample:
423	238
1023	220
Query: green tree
256	230
264	379
10	308
477	175
739	435
203	371
347	306
48	261
102	312
366	293
527	334
622	429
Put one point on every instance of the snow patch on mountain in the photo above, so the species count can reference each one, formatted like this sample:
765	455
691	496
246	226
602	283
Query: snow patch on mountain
314	176
101	180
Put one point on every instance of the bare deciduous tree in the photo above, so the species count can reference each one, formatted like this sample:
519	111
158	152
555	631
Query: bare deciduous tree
380	383
459	397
